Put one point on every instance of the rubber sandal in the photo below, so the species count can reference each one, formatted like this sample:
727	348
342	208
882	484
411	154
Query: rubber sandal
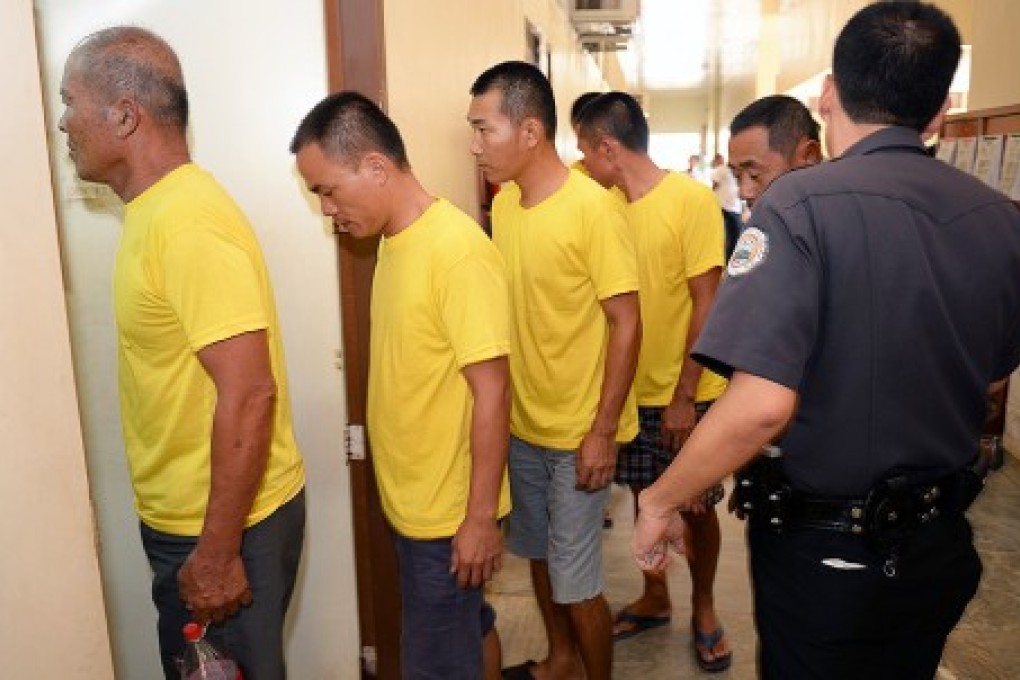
521	671
708	641
639	624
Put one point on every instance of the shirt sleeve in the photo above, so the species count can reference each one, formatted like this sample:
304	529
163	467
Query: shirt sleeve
212	284
702	238
612	261
474	304
767	312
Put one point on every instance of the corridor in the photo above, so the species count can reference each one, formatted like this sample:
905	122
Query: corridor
983	647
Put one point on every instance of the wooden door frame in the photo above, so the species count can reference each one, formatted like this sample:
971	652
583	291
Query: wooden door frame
355	51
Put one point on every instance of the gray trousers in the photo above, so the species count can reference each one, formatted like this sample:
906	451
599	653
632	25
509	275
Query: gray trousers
271	551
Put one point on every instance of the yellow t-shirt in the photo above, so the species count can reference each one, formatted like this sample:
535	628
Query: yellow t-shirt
563	256
189	273
678	234
580	167
439	303
617	192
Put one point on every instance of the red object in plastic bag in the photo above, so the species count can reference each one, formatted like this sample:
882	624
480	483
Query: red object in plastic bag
203	661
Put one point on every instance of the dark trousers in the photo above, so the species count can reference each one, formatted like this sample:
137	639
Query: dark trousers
733	224
820	615
271	551
442	624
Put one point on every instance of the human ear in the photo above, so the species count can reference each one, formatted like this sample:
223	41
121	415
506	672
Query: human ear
375	164
125	115
935	124
532	131
807	153
609	148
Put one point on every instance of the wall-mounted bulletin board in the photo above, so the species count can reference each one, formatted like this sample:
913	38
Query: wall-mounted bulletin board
985	143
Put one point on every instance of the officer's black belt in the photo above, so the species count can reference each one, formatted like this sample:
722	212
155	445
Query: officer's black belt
886	507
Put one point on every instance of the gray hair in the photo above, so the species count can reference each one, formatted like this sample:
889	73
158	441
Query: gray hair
127	60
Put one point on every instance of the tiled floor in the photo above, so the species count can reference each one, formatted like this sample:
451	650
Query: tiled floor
985	646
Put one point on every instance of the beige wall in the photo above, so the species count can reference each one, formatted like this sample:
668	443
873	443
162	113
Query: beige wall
678	111
995	78
53	624
253	70
429	73
808	29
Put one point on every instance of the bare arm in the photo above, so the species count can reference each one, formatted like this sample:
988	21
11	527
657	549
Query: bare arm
596	459
212	580
747	416
678	417
478	544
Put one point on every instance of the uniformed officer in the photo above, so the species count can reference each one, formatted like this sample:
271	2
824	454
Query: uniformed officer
869	307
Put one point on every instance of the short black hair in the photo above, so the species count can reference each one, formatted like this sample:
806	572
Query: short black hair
579	104
893	63
785	119
526	93
134	61
347	125
617	115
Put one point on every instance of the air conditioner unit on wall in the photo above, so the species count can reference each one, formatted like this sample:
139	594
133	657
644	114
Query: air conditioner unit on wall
604	11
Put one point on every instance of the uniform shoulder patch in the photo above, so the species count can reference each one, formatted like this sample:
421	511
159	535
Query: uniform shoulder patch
751	249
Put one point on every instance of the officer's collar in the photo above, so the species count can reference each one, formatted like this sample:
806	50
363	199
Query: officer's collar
892	138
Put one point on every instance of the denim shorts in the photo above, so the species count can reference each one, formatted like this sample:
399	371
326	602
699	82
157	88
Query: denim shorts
443	624
555	521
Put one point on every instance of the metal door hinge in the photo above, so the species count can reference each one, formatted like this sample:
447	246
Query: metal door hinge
354	442
368	660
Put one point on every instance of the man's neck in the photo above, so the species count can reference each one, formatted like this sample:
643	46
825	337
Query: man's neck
845	133
639	175
541	177
146	164
410	201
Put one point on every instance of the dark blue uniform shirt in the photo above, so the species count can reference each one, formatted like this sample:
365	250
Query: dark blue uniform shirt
884	287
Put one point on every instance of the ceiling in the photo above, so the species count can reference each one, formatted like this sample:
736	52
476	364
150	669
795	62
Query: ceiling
692	44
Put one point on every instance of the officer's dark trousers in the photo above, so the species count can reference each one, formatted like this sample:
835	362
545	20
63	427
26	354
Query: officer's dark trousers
825	609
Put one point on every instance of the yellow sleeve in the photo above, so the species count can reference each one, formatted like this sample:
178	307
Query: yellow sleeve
702	237
212	284
474	304
612	261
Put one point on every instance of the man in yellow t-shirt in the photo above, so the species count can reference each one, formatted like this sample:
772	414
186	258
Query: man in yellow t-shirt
217	476
438	385
678	233
575	331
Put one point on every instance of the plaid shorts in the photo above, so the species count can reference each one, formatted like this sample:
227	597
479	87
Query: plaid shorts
643	460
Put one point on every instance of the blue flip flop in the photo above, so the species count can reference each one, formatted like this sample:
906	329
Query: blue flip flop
521	671
639	623
708	641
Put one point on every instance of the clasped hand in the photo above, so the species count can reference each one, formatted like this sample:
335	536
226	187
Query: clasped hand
213	587
655	533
